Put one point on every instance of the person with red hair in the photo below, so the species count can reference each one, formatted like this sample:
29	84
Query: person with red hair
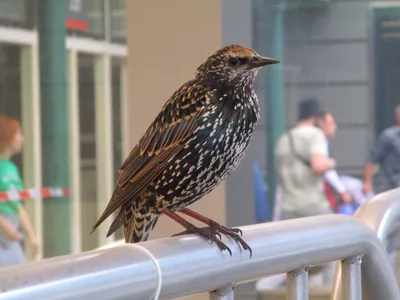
12	213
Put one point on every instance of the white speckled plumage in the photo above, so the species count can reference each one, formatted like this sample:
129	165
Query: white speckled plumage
196	141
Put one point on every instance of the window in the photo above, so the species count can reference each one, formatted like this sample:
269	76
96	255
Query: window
116	115
117	21
116	123
88	150
10	86
17	13
92	12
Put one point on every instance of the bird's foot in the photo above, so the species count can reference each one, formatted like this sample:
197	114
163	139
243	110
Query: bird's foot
216	229
208	234
233	233
207	229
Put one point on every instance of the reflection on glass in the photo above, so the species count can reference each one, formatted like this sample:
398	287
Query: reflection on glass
92	13
116	115
10	86
117	20
18	13
88	150
116	121
95	17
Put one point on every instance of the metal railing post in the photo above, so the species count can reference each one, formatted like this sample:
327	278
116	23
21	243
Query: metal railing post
381	213
297	284
189	265
351	278
223	293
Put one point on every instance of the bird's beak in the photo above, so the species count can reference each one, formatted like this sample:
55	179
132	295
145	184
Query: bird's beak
261	61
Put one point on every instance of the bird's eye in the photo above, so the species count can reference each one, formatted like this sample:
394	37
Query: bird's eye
233	61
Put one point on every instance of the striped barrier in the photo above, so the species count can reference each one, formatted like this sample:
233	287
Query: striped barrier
33	193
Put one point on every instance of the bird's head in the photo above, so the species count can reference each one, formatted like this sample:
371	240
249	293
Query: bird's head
233	64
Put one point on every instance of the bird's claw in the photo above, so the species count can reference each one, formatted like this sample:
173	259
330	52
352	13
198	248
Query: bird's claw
233	233
237	230
208	234
213	231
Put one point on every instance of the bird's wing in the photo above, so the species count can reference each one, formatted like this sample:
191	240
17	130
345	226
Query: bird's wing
162	141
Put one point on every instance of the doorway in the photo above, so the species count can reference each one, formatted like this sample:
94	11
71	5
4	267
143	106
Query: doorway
386	65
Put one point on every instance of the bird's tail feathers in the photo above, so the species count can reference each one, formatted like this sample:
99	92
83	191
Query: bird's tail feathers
117	223
139	227
111	207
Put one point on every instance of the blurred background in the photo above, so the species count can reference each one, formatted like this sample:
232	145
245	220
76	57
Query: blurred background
86	78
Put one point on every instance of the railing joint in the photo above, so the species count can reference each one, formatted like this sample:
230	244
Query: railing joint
297	284
353	260
225	292
299	271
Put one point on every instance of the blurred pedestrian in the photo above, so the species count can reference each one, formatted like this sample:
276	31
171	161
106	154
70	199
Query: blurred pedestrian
327	123
301	164
385	155
13	215
302	161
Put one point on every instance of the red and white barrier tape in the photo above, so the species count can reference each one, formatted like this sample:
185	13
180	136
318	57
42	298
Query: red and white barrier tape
33	193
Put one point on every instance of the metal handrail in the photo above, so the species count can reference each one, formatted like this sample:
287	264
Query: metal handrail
189	265
382	214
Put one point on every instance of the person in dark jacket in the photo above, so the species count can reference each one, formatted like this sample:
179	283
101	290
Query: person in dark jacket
385	155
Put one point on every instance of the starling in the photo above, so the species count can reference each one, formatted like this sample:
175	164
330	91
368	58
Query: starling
195	142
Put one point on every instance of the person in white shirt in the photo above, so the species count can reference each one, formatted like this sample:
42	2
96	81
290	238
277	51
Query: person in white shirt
303	163
326	122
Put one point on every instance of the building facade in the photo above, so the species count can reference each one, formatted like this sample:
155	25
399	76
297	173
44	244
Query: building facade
96	69
343	52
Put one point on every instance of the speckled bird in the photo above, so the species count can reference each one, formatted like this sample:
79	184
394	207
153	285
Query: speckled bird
195	142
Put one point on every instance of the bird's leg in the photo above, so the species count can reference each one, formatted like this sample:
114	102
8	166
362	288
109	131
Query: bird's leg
208	221
216	227
190	228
